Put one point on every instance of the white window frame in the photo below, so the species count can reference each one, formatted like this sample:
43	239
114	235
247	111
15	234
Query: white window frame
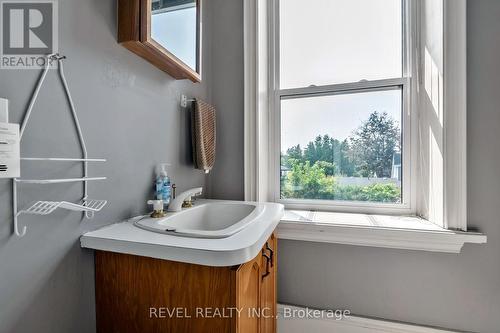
455	114
408	204
261	138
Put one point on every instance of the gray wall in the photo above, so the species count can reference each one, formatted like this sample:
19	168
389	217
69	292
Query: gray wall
454	291
46	280
228	96
129	112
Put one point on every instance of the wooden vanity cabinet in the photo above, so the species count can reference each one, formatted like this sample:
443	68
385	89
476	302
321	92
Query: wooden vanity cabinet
146	295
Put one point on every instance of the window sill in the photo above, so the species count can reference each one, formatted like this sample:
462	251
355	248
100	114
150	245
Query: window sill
411	233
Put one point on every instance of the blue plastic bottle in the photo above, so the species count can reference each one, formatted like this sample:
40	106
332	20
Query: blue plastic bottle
163	185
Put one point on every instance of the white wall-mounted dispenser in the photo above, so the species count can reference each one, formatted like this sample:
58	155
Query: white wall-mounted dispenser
10	158
4	110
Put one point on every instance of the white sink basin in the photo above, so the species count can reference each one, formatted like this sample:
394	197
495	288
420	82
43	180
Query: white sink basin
216	233
206	220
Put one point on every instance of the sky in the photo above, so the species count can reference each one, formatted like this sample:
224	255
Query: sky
330	47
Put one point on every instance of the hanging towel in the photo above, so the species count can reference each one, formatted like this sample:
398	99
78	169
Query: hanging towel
203	135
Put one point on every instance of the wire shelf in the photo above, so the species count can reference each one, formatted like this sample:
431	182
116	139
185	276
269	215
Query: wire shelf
62	159
58	181
42	208
47	207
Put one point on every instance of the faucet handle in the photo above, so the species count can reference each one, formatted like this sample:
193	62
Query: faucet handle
188	203
157	208
184	199
157	204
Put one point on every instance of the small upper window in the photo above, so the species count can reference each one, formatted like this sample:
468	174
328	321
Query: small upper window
326	42
341	97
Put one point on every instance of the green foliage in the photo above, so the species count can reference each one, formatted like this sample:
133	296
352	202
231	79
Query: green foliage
304	181
295	153
313	172
367	153
347	167
374	144
387	192
330	169
323	149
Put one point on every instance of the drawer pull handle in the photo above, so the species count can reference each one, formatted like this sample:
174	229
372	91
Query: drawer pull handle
271	254
268	260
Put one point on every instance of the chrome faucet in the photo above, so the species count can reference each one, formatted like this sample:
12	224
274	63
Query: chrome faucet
176	204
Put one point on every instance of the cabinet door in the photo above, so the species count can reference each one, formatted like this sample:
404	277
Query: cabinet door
268	287
248	282
256	291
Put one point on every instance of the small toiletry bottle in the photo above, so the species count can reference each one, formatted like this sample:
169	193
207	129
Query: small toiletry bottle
163	186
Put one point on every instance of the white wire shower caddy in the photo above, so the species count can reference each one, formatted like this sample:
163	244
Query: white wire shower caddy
89	206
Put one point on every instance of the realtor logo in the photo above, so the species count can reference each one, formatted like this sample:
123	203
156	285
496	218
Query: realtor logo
29	33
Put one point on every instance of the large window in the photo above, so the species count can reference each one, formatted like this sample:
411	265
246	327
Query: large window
358	106
341	97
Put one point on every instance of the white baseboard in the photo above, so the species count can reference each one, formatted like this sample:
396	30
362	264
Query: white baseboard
350	324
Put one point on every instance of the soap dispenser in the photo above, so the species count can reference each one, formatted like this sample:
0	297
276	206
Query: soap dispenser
163	185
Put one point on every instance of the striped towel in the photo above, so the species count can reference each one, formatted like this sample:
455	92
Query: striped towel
204	134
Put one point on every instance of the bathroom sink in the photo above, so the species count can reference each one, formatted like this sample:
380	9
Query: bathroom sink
212	233
206	220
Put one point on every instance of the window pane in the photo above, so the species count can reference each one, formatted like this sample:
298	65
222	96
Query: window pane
339	41
342	147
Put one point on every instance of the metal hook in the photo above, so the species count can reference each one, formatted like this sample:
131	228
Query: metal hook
16	213
185	100
16	230
56	56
